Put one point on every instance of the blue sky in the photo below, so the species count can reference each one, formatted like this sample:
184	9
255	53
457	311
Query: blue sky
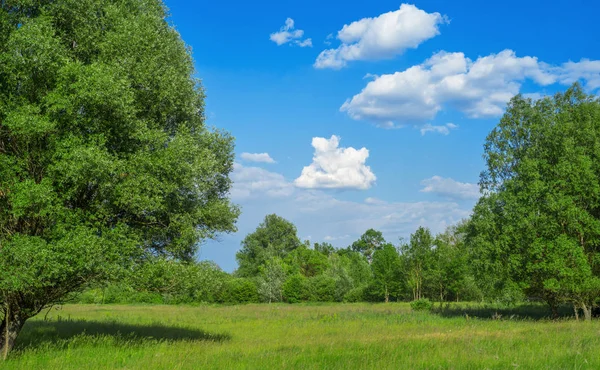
352	115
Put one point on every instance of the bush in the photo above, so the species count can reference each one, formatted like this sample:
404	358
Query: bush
321	288
355	295
240	290
422	304
295	289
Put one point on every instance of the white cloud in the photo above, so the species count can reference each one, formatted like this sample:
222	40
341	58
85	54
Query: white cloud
329	238
382	37
587	70
336	168
257	157
287	34
305	43
371	200
444	130
449	188
253	182
479	88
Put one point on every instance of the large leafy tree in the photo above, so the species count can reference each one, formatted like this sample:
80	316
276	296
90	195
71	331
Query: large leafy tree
275	237
541	214
104	155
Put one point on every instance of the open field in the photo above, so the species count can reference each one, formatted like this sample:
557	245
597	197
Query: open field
332	336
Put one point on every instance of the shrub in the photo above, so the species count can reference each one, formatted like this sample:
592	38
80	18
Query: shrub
240	290
321	288
295	289
355	295
422	304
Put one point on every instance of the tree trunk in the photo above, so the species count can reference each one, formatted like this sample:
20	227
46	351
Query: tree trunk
9	330
387	295
587	311
576	311
554	309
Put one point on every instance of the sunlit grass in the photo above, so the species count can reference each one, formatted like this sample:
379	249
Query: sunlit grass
332	336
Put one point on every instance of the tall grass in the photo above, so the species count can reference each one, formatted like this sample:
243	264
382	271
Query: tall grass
324	336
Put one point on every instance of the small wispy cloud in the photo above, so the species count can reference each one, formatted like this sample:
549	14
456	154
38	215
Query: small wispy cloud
288	34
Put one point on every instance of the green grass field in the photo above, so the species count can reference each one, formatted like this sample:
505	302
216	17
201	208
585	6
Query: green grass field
332	336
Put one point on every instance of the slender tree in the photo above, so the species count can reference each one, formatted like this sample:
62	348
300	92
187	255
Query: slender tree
386	270
415	255
104	155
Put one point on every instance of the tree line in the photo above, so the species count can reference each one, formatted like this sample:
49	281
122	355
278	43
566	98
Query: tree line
276	266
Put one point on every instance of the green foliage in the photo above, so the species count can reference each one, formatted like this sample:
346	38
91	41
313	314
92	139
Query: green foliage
538	227
368	243
307	262
275	237
239	290
295	289
355	295
321	288
422	304
325	248
386	271
416	255
357	266
104	155
339	272
270	280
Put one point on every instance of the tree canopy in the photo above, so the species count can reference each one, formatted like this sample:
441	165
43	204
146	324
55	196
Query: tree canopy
104	155
538	227
274	237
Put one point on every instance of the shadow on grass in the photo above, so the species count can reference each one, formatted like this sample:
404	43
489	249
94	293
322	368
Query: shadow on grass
492	312
68	333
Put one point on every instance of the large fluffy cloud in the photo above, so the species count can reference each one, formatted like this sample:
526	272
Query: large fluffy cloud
382	37
478	88
449	188
336	168
287	33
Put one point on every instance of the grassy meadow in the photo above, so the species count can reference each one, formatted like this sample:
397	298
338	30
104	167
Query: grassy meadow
327	336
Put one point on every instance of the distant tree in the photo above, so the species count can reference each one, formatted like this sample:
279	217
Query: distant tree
357	266
338	269
386	270
324	248
447	269
415	255
271	279
104	155
368	243
307	262
274	237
